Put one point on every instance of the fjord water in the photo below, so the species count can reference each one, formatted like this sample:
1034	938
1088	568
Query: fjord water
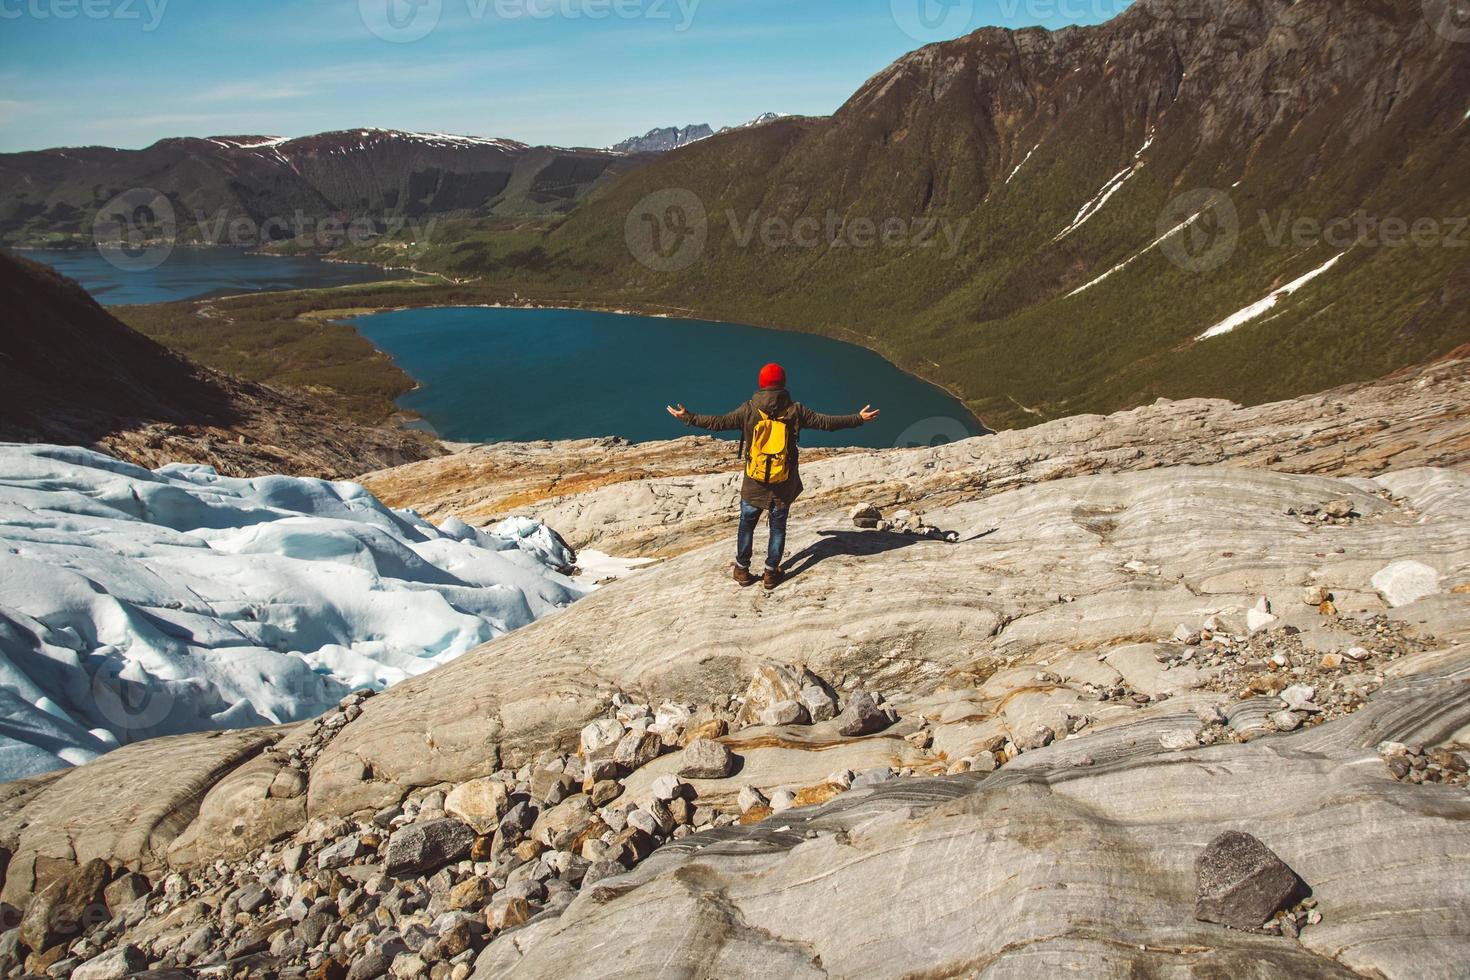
189	273
489	375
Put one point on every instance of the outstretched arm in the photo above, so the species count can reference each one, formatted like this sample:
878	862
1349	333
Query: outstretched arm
728	422
831	423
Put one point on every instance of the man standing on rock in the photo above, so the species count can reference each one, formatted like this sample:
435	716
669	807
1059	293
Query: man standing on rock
769	424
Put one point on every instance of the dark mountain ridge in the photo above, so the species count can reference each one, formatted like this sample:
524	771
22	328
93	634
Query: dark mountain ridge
276	184
73	374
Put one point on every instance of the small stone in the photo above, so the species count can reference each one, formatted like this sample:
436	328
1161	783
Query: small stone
641	819
112	965
706	759
782	799
287	784
874	776
605	791
1179	739
1286	721
1039	737
984	762
751	797
1331	661
292	857
424	847
601	734
1357	654
862	716
1210	714
820	705
1299	697
1240	882
785	713
1257	620
339	855
637	749
126	890
1404	582
865	515
1338	508
667	787
480	803
1315	595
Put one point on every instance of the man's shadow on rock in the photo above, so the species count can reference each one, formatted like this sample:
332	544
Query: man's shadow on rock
853	543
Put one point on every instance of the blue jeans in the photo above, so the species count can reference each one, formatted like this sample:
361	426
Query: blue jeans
775	545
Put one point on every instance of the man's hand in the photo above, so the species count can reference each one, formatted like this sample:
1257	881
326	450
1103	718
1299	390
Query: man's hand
677	411
869	413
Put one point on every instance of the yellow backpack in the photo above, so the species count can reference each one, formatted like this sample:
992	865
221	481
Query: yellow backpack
770	451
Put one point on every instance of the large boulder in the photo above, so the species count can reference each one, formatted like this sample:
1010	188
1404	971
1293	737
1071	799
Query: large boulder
772	684
421	848
706	759
480	803
67	907
1241	882
115	964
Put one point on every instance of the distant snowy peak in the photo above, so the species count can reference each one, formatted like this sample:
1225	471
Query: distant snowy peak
759	120
666	138
361	139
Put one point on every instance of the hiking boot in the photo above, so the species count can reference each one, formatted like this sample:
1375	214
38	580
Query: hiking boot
772	578
742	576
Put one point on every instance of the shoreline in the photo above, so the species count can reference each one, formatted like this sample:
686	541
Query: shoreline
682	313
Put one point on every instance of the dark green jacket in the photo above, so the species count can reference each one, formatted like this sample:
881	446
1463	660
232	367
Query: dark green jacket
776	403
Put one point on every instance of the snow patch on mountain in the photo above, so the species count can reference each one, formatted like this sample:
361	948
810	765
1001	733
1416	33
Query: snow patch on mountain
135	604
1262	307
1113	186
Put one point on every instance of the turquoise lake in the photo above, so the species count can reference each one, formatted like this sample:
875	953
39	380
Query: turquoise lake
191	273
487	375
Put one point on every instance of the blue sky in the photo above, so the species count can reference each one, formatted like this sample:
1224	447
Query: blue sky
569	72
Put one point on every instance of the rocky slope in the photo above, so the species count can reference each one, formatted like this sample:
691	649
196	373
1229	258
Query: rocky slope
72	373
370	174
662	499
1040	725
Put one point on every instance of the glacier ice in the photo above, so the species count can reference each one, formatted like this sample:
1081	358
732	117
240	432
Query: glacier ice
137	603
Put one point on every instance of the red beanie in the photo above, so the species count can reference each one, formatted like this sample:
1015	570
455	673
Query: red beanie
773	376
